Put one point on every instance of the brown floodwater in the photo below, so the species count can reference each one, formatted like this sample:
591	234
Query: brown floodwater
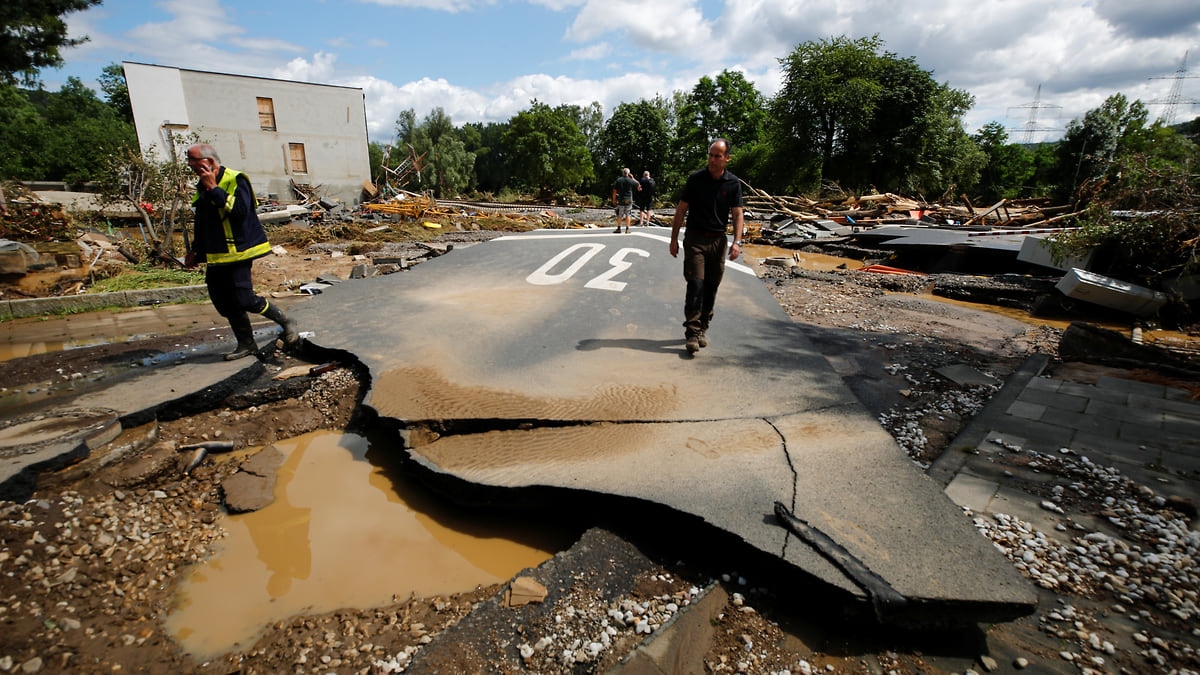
345	531
818	262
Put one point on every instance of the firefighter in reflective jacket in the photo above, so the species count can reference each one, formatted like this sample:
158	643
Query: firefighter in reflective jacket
229	237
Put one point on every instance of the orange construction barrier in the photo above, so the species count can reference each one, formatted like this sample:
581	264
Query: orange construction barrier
884	269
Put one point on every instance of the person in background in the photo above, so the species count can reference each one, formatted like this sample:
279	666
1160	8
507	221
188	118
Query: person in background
229	236
623	192
710	197
645	198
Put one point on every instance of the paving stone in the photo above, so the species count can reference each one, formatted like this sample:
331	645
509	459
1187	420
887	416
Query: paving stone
1093	393
1145	417
1119	384
1043	384
1042	436
1029	411
1079	421
972	492
1053	399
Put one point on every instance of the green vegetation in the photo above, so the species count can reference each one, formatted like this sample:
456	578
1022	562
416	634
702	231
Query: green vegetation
849	117
33	34
144	275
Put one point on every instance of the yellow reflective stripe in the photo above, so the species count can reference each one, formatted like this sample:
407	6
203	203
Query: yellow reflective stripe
261	249
230	244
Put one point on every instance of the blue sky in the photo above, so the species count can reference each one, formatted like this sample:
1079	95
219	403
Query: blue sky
484	60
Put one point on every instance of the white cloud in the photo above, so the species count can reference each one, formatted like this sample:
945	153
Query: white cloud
451	6
320	69
1150	18
669	26
622	51
591	52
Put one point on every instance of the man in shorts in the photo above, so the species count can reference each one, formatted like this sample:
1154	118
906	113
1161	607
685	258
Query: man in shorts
623	192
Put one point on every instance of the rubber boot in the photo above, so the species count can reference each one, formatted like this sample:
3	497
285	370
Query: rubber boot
290	335
245	337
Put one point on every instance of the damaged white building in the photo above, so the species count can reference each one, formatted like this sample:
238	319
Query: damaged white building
276	131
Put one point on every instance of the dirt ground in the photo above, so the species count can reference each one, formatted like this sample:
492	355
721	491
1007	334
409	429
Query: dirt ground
89	566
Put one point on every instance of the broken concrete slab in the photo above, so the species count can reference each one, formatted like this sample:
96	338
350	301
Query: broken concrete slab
141	396
966	376
555	358
253	486
45	441
611	567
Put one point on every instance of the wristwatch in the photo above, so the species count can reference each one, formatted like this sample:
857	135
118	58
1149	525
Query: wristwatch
738	242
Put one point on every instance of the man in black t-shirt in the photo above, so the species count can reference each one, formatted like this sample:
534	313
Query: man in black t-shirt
623	192
645	198
709	198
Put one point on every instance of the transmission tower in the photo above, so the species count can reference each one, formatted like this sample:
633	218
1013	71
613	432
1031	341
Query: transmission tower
1174	98
1030	127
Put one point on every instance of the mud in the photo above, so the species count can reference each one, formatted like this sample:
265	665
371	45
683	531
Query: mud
91	567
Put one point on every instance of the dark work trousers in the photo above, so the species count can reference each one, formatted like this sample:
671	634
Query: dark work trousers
231	289
703	269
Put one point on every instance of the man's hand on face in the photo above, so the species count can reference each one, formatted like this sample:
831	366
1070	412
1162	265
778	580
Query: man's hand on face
206	169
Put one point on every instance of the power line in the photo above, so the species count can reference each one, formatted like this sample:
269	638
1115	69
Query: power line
1030	127
1174	97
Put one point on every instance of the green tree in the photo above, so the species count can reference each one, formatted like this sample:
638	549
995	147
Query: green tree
20	119
449	168
635	137
547	151
486	142
33	33
850	112
589	120
1090	145
64	135
728	107
116	90
826	103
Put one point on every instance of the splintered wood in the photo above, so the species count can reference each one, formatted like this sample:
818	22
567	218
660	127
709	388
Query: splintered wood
887	208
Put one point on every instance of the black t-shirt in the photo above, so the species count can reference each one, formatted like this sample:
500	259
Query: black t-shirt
709	200
625	188
647	192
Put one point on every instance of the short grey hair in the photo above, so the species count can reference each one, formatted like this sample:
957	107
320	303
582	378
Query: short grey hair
206	150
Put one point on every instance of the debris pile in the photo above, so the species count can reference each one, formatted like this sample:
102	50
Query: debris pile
891	209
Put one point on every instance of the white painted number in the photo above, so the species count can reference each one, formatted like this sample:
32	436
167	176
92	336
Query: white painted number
619	264
543	277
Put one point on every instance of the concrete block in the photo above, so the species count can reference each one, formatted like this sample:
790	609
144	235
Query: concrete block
1040	436
973	492
1131	386
1044	384
1029	411
1096	424
965	376
1050	399
13	262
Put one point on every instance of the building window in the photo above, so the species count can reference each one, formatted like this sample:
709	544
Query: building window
296	154
266	114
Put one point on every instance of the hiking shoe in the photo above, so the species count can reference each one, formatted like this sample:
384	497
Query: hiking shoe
618	230
243	350
701	339
692	345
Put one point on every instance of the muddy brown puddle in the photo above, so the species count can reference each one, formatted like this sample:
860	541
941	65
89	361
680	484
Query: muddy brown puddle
345	531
